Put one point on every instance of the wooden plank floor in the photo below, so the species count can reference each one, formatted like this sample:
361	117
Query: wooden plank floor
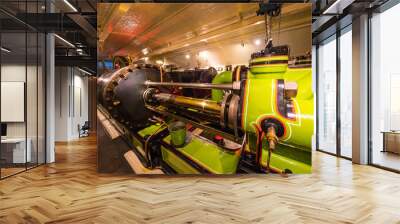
70	191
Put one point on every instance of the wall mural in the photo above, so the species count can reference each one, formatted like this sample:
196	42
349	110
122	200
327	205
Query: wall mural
158	117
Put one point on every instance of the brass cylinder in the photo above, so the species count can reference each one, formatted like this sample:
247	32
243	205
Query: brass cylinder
199	104
231	86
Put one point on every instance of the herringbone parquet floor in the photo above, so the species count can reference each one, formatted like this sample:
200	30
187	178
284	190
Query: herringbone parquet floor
70	191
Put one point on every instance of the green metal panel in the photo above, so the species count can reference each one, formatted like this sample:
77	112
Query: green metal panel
221	78
282	162
151	129
294	152
208	155
260	102
144	132
271	67
176	163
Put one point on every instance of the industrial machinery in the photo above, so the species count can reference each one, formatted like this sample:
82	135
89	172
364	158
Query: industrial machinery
257	118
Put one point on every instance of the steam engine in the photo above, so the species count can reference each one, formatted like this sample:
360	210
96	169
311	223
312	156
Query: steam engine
256	118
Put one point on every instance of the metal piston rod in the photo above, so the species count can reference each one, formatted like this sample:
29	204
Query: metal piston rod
202	105
231	86
227	111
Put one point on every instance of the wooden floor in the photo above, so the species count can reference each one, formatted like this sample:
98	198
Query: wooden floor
387	159
70	191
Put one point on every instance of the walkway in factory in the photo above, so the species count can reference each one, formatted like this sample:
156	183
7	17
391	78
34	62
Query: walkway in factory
72	191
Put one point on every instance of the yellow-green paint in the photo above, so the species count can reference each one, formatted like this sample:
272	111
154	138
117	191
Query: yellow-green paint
208	155
221	78
269	68
177	164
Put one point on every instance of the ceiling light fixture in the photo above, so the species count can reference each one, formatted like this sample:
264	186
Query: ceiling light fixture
187	56
160	62
65	41
70	5
145	51
257	42
5	50
337	7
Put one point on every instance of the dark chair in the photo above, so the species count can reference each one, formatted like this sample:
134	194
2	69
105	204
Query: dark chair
84	130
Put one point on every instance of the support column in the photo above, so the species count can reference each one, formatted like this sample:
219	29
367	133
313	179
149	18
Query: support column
50	99
360	89
50	92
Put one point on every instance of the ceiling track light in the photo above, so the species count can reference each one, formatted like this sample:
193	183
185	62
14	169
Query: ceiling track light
5	50
65	41
337	7
70	5
84	71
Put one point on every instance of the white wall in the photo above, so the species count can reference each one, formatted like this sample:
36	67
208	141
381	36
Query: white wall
33	127
13	73
71	102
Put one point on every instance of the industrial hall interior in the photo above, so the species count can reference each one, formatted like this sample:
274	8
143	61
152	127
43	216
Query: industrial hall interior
160	111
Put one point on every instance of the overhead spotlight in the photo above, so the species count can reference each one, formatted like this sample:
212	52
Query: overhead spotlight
70	5
187	56
145	51
5	50
257	42
146	58
65	41
159	62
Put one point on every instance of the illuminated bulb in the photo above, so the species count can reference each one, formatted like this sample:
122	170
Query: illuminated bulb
159	62
257	42
145	51
187	56
146	58
203	104
203	54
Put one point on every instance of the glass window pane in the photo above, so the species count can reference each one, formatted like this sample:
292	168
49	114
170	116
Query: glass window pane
346	94
327	96
385	86
14	153
31	97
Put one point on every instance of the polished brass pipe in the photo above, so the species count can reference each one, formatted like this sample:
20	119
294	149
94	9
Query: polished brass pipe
199	104
231	86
